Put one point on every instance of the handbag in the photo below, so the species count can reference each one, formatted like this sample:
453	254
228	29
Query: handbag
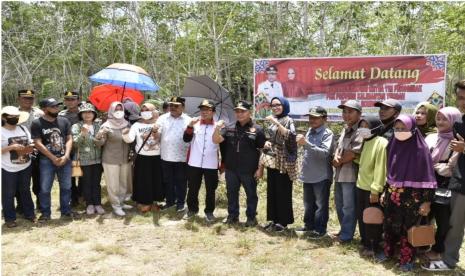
421	235
373	215
76	170
268	159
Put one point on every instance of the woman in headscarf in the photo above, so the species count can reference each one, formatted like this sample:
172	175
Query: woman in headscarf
115	157
371	180
147	167
411	184
282	143
89	155
425	117
444	161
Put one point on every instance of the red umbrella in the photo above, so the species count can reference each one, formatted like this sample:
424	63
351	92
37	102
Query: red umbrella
103	95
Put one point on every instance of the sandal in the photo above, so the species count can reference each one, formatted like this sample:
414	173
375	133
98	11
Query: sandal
436	266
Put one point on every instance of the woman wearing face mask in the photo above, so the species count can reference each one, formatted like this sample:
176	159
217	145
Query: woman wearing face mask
16	165
279	179
444	161
411	184
425	114
115	157
147	167
371	180
90	156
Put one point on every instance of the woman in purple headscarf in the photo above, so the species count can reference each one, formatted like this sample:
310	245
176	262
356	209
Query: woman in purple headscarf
280	175
444	161
410	190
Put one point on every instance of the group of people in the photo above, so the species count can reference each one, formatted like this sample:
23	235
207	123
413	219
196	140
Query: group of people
407	166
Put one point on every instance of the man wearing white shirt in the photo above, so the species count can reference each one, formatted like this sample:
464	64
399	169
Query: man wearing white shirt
171	127
271	87
202	161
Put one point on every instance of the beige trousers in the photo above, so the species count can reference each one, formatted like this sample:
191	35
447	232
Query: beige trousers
116	178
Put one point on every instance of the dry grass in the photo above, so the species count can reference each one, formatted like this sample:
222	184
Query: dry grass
164	244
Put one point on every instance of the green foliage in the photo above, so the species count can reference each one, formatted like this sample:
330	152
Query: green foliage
57	45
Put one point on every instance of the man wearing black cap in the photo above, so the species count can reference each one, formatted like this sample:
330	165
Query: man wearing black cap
202	161
271	87
349	147
71	101
52	137
389	110
171	128
240	148
26	101
317	172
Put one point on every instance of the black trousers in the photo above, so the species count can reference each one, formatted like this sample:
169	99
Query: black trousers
90	183
147	185
194	182
279	198
441	214
370	234
35	184
174	182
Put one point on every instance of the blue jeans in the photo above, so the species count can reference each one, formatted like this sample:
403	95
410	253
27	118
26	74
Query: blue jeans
174	182
47	175
233	184
12	182
345	198
316	204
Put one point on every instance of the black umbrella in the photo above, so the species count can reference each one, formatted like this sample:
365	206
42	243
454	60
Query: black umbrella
203	87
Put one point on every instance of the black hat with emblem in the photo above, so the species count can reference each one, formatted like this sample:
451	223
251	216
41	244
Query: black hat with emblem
243	105
71	95
271	69
26	93
207	103
177	100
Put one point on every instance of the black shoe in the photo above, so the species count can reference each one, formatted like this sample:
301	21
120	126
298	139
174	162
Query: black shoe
44	218
251	222
316	235
166	207
231	220
180	209
189	215
32	219
278	228
268	226
71	216
210	217
303	229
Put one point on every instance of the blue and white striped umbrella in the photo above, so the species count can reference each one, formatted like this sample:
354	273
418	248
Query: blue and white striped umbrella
125	75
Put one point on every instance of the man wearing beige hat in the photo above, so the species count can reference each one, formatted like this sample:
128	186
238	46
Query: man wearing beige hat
16	164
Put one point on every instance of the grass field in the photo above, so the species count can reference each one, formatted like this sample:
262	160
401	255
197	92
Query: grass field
164	244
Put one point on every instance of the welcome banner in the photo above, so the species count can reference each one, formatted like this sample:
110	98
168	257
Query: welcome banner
328	82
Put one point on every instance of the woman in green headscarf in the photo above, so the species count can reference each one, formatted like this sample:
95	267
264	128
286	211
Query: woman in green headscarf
425	116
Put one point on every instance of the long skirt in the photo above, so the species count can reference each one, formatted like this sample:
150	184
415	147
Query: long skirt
279	198
148	185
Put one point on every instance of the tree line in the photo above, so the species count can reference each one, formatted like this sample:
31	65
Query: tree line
54	46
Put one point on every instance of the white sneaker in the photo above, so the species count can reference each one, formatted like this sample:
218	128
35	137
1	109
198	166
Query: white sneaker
99	209
90	210
127	207
119	212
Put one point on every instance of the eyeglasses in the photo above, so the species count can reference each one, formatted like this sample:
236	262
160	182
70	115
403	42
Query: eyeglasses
275	105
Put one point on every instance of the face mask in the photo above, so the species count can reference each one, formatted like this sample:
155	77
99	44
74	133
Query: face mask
12	121
365	133
403	135
118	114
146	115
54	115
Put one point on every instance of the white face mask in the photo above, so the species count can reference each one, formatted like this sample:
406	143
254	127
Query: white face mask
403	135
118	114
146	115
364	132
